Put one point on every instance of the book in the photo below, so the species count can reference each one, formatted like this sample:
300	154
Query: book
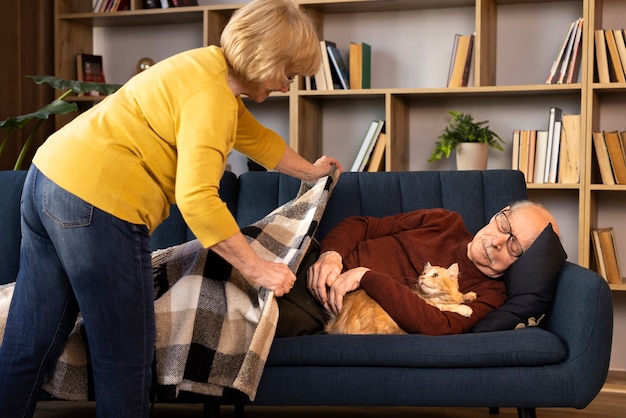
569	158
320	78
552	74
541	149
339	65
602	155
515	143
327	67
371	134
532	144
151	4
574	64
618	34
598	255
602	63
89	68
377	159
555	152
616	71
555	115
609	253
360	62
568	53
523	153
461	60
98	5
616	155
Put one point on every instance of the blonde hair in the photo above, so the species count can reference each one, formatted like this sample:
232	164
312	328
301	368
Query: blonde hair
268	41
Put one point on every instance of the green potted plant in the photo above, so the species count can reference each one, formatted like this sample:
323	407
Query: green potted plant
461	134
56	107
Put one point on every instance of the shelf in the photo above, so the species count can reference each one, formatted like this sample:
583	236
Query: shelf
618	287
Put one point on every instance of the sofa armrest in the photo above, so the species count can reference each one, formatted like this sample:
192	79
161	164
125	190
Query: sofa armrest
582	317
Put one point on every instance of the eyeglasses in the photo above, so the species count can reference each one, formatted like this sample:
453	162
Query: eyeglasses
504	226
289	80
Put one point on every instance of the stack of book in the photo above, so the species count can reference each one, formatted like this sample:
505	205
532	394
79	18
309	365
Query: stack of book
549	155
371	155
566	66
606	257
462	61
610	148
610	55
335	74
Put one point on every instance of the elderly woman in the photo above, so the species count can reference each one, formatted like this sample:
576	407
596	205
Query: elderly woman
99	186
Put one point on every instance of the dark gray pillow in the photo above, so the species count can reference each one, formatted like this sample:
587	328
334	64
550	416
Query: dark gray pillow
530	285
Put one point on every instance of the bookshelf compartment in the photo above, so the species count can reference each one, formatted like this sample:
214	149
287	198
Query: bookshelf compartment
428	116
608	207
146	41
542	26
402	42
345	123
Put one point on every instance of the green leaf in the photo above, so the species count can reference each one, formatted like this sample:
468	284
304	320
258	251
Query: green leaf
75	86
57	107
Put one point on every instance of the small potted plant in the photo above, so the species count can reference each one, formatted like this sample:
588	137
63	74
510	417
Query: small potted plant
462	134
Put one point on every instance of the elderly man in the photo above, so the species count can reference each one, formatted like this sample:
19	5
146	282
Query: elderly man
384	255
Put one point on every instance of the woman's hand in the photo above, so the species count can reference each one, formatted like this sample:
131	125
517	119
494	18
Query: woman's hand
293	164
273	276
324	164
257	271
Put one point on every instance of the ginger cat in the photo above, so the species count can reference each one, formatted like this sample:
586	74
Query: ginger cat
436	285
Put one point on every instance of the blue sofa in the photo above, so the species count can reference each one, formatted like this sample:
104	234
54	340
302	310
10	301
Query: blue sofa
561	363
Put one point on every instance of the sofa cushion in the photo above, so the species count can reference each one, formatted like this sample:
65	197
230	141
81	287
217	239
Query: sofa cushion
530	284
529	347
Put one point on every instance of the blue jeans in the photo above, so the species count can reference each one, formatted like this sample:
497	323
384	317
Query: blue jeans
75	257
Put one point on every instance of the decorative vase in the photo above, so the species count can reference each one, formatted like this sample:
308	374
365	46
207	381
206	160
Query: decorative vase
472	156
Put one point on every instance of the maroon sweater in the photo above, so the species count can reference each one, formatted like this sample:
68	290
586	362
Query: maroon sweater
396	248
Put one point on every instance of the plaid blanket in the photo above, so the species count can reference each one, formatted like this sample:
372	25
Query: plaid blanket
214	329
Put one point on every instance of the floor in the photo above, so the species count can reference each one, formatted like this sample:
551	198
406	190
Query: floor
608	404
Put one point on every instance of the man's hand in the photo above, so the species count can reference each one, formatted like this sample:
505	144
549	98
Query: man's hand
346	282
322	274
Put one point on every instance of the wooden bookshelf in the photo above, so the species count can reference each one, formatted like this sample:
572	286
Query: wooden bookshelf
508	85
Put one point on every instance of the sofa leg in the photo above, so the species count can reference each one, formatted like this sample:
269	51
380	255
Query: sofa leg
494	410
211	410
526	413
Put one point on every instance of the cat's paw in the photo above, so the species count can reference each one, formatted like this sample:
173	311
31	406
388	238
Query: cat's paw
465	310
469	297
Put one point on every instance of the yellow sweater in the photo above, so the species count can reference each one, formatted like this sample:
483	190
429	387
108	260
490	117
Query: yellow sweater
162	138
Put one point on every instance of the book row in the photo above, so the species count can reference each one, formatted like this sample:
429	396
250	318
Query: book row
164	4
566	65
371	154
610	151
605	252
336	73
610	47
552	154
102	6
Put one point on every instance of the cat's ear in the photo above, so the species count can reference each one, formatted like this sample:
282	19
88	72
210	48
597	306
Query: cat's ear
427	266
454	269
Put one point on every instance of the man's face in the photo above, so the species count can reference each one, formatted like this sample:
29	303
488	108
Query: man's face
497	245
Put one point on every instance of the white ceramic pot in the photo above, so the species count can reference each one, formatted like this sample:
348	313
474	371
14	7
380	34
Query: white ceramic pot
472	156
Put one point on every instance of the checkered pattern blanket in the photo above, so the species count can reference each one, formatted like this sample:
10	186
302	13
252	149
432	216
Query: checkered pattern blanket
214	329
